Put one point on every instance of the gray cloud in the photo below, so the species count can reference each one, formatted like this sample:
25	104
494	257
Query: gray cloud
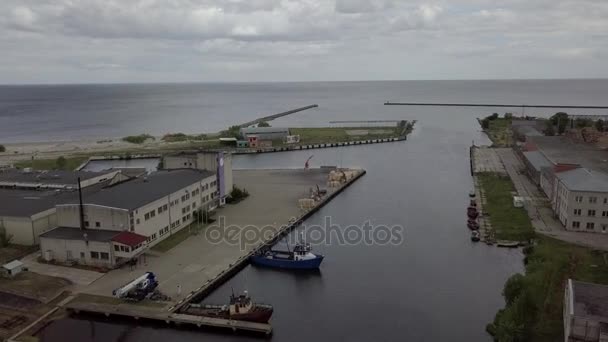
265	40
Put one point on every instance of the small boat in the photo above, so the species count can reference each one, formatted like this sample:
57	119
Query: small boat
241	308
473	203
472	194
475	236
472	212
473	225
300	258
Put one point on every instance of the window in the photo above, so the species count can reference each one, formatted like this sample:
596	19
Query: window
86	223
576	224
577	212
578	199
147	216
592	199
161	232
160	210
94	255
590	225
165	207
605	200
152	213
138	221
166	229
97	224
117	248
193	204
104	256
604	226
590	212
604	213
183	198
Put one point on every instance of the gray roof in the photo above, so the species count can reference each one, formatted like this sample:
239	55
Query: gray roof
12	265
582	179
47	177
67	233
590	299
537	159
561	150
138	192
25	203
527	131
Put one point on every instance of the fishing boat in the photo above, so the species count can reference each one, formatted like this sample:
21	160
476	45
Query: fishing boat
472	212
241	308
473	225
301	258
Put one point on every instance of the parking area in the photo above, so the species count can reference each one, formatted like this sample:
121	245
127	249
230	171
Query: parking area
486	159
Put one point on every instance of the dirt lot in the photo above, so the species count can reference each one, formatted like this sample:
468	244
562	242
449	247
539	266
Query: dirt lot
13	252
33	286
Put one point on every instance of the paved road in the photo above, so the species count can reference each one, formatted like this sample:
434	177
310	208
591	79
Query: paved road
539	208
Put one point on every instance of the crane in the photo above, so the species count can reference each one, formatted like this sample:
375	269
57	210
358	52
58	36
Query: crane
138	288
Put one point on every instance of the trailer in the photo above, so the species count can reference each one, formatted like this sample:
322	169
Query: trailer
138	288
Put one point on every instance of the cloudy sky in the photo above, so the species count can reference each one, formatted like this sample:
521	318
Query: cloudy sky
76	41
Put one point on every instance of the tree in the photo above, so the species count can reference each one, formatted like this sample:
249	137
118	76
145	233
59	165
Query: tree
582	123
2	148
61	163
549	130
599	125
513	288
263	124
560	120
485	123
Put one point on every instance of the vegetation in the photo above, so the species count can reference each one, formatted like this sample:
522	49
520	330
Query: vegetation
137	139
2	148
237	195
342	134
560	120
60	163
599	125
509	223
263	124
176	137
534	302
498	129
178	237
5	238
582	123
549	129
232	132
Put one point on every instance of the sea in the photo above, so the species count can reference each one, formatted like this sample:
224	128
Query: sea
436	285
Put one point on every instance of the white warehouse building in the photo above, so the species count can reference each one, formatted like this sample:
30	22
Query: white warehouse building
155	207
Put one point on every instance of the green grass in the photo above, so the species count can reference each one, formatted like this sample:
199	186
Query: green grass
338	134
177	238
499	131
51	164
509	223
177	137
535	313
137	139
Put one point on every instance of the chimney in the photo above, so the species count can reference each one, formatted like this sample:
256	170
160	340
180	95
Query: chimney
80	207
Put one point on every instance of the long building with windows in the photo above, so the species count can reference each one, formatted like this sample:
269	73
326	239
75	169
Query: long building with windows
154	207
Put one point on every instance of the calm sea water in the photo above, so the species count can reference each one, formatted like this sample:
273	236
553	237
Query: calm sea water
436	286
40	113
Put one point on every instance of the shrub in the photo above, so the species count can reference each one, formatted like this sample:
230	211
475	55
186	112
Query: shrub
2	148
237	195
61	163
137	139
263	124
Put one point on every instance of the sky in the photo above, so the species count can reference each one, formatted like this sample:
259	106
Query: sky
107	41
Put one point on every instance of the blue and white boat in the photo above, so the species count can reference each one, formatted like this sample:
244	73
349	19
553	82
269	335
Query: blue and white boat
300	258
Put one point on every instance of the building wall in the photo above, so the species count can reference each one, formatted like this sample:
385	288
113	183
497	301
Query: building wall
68	215
77	250
25	230
568	204
180	162
161	218
95	180
205	161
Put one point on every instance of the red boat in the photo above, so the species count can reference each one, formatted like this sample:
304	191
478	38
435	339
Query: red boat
241	308
472	212
473	225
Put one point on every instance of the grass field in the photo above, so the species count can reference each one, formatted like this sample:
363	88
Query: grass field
509	223
71	163
177	238
535	310
339	134
499	131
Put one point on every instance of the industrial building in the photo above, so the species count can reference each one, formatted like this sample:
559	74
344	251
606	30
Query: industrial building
585	312
217	162
265	133
29	197
153	207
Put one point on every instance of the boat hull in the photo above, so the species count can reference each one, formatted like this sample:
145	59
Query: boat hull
310	264
257	315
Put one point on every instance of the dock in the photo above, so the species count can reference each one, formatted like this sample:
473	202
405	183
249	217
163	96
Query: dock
138	312
489	105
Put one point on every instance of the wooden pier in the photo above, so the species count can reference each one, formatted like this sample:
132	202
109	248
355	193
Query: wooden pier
138	312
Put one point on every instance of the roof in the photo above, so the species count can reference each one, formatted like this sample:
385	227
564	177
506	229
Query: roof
22	203
590	299
528	131
581	179
54	177
228	139
138	192
12	265
561	150
537	159
68	233
129	238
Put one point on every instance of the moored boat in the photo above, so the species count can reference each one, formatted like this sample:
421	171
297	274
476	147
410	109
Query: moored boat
475	236
300	258
241	308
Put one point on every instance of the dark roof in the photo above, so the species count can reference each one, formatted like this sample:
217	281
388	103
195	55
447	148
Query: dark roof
68	233
47	177
561	150
581	179
138	192
129	239
590	299
21	203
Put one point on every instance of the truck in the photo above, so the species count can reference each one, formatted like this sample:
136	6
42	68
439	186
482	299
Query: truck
138	288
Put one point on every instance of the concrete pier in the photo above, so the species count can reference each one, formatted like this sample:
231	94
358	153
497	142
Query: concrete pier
278	115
